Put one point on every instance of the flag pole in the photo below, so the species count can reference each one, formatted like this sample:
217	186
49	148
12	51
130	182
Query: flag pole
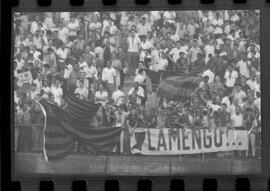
44	127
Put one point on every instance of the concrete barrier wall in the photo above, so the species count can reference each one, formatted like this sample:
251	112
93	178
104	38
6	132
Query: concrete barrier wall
134	165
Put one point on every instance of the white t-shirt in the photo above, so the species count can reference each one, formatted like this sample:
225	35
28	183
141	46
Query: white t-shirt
91	72
99	51
38	84
103	95
139	78
162	64
133	44
62	53
210	74
72	26
253	85
230	78
140	93
209	49
63	34
175	53
83	92
34	27
116	96
68	69
96	25
237	120
143	29
240	96
57	92
243	68
227	102
108	74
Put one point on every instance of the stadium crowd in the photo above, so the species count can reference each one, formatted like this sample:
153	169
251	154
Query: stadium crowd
102	57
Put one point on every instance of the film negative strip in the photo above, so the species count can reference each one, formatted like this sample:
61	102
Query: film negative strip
140	95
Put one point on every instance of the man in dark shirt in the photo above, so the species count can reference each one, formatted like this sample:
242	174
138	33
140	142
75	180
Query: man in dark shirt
223	116
151	119
198	65
181	63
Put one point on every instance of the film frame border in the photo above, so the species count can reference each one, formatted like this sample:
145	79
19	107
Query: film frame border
263	6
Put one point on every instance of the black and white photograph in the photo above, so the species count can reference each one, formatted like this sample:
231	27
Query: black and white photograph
155	93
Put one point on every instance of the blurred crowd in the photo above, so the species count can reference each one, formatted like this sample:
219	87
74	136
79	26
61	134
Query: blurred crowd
101	57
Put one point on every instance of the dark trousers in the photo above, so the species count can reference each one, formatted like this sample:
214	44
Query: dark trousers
139	136
133	61
65	87
122	78
71	89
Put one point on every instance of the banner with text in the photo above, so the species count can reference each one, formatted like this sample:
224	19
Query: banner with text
24	77
187	141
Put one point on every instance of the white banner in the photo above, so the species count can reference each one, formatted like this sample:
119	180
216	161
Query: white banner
24	77
187	141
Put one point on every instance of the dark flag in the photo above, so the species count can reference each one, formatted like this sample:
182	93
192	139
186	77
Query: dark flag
155	78
178	88
62	131
81	111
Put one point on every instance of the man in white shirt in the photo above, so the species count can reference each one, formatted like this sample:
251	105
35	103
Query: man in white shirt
57	92
82	63
230	77
38	82
237	118
239	94
143	27
101	96
209	49
67	70
243	66
63	33
109	76
62	53
73	27
118	96
136	94
208	72
133	52
194	50
252	82
174	54
139	78
81	92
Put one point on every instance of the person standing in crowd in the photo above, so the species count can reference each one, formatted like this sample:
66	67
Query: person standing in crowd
133	51
116	64
73	77
101	96
57	92
109	76
118	96
230	77
136	94
25	141
81	91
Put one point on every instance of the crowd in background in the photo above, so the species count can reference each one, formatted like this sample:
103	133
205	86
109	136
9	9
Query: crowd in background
101	57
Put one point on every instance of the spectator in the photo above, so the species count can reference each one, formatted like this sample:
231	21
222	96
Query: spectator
101	96
109	76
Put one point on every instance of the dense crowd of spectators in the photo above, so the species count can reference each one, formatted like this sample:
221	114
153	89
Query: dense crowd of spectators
102	57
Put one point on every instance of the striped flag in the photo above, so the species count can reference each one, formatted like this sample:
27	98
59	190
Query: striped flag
81	111
178	88
62	130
